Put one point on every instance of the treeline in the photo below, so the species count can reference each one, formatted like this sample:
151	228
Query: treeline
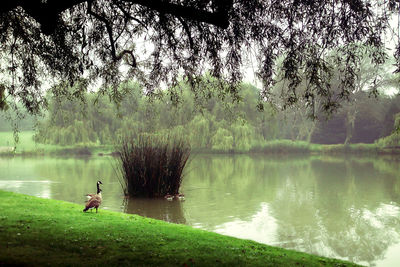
212	123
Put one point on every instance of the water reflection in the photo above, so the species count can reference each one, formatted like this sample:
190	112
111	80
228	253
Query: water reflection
344	208
159	208
338	207
34	188
261	227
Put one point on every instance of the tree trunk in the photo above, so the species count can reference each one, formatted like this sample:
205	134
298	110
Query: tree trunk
350	120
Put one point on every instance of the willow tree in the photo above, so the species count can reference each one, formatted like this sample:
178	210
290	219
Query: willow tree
162	42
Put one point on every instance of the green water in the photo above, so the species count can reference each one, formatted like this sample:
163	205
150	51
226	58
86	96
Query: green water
337	207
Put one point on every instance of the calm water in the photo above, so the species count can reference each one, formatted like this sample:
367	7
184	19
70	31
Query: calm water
346	208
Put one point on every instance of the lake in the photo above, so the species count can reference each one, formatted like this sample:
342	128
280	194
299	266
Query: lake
342	207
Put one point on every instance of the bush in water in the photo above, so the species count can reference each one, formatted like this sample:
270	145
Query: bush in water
152	166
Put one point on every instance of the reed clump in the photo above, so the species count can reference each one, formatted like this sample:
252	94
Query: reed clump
152	166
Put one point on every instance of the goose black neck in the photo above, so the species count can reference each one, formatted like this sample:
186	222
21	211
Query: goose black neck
98	188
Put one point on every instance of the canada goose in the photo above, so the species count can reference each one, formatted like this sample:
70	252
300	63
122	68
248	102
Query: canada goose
89	196
94	202
169	197
177	196
180	196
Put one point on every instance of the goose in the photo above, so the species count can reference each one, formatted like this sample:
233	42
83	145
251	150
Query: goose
180	197
94	202
89	196
169	197
177	196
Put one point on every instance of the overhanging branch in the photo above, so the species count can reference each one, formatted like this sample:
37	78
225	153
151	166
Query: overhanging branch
47	12
109	29
219	19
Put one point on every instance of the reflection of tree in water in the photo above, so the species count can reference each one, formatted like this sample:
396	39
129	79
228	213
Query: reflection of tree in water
157	208
75	177
368	235
338	209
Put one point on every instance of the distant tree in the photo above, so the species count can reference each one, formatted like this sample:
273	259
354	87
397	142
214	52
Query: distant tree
160	42
366	126
392	108
200	132
222	140
243	135
69	121
369	122
392	140
332	131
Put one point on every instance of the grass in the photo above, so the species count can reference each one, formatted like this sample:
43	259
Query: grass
25	143
282	147
27	146
365	149
35	231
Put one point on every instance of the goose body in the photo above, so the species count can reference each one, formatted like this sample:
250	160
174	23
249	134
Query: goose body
180	197
94	200
169	197
89	196
177	196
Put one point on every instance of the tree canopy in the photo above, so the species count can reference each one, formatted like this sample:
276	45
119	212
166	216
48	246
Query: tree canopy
160	43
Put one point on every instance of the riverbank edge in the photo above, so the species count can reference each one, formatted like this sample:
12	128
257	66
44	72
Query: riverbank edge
36	231
274	147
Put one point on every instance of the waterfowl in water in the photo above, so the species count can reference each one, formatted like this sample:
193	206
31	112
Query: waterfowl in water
177	196
180	196
169	197
89	196
94	202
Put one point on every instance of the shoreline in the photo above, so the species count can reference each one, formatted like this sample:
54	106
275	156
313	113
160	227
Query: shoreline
38	231
310	149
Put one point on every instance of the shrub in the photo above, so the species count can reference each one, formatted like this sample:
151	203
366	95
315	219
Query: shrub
151	166
283	146
222	141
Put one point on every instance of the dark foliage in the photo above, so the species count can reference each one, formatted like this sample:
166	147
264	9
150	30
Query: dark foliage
152	166
160	42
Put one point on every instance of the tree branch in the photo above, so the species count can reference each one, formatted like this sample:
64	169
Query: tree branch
187	30
130	52
219	19
106	23
47	12
126	14
110	37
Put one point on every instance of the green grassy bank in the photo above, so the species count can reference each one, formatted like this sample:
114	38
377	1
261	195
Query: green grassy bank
35	231
27	146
